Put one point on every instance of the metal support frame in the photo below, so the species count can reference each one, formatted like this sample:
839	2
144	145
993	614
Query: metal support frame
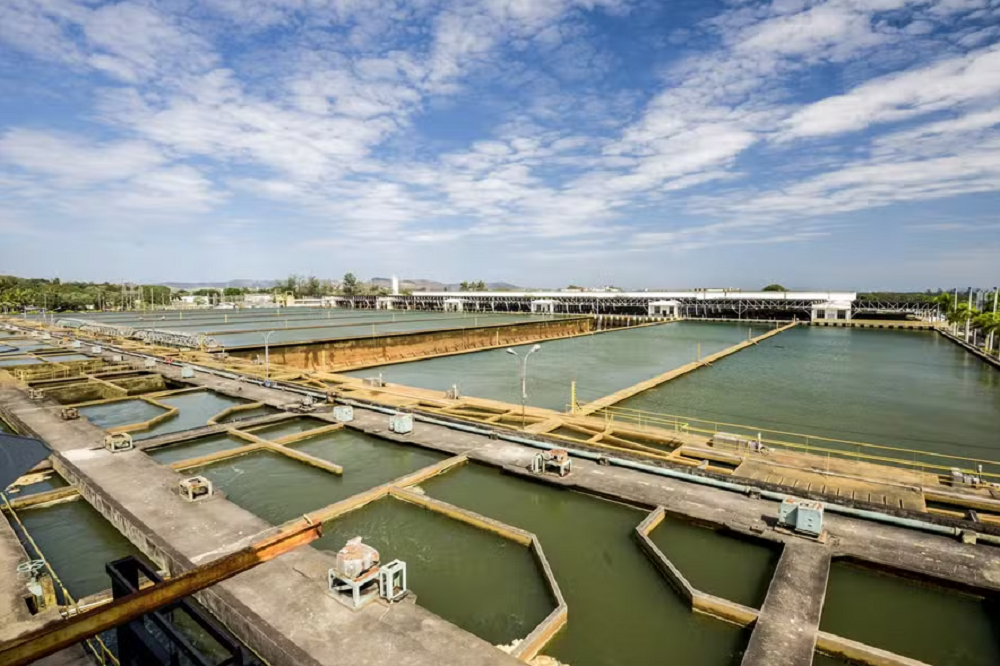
154	638
153	336
392	581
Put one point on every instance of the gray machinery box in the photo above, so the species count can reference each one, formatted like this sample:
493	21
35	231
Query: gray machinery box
401	424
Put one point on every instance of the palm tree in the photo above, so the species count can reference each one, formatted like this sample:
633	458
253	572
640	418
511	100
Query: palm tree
959	314
944	302
989	324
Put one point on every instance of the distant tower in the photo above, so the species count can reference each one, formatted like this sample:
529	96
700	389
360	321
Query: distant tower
395	286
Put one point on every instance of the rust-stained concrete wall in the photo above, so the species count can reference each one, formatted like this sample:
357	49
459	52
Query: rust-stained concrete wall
142	384
352	353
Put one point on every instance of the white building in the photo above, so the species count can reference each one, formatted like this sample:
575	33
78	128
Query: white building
258	300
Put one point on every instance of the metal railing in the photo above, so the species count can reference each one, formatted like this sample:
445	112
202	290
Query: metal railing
829	447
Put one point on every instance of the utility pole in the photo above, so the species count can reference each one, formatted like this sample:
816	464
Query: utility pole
989	342
968	321
524	378
267	355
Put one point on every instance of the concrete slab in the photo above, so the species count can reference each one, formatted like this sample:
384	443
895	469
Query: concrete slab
785	632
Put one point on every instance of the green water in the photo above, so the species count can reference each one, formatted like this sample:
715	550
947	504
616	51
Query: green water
621	610
289	427
77	542
475	579
933	625
601	364
195	409
194	449
906	388
277	488
120	413
265	410
727	566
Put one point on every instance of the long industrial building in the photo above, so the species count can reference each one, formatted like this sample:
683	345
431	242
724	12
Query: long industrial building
719	303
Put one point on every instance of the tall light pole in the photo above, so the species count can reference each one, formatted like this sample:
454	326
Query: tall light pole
524	376
267	355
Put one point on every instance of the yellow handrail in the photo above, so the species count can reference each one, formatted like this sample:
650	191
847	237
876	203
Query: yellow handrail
776	438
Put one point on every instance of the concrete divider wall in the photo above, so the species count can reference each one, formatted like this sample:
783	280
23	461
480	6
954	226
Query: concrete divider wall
235	452
137	385
635	389
534	642
353	353
861	653
461	515
146	425
701	602
539	637
228	411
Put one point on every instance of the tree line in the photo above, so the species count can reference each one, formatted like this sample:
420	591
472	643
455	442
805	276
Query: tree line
55	295
19	293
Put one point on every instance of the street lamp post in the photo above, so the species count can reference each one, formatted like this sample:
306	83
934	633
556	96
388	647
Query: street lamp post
267	355
524	377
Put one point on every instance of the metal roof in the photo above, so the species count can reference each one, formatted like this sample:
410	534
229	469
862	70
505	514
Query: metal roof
848	296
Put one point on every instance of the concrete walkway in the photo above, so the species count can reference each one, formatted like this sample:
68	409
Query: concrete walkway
785	632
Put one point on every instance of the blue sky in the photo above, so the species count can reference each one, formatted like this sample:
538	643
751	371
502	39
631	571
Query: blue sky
841	144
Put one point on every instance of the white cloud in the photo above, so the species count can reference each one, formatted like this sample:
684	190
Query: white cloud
76	161
40	28
127	40
133	42
947	85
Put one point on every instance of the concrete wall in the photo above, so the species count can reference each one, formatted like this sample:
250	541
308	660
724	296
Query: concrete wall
142	384
350	353
84	391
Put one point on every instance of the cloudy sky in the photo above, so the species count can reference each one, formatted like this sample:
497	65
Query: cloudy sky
644	143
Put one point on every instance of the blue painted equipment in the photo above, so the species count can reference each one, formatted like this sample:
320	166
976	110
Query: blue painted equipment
801	516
